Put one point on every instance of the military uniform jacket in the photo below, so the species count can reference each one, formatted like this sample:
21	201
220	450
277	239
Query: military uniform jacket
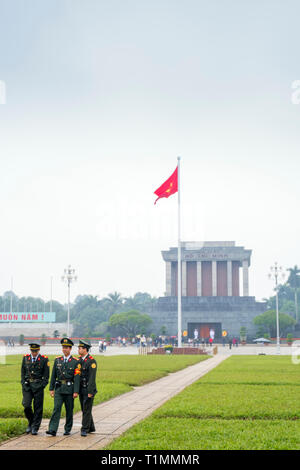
88	375
65	377
34	375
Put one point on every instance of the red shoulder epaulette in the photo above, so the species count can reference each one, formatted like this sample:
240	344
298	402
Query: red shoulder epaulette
44	356
26	355
91	357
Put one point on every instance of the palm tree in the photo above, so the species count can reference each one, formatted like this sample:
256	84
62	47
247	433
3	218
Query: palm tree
114	300
294	282
141	301
132	303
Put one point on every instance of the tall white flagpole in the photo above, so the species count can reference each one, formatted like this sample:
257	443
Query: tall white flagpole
179	262
51	282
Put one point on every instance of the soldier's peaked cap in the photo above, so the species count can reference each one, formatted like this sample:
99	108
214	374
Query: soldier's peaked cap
67	342
84	343
34	346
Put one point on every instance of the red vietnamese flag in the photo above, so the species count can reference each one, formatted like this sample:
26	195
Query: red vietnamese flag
169	187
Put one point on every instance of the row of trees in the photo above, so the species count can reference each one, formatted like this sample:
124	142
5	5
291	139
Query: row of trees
115	314
288	301
288	295
31	304
266	323
90	315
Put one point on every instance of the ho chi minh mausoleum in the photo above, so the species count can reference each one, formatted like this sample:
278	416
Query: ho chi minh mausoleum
212	273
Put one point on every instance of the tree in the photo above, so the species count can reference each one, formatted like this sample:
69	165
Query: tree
86	313
294	282
102	328
59	309
243	333
267	320
21	340
114	301
285	295
130	323
43	339
141	301
9	294
288	307
163	330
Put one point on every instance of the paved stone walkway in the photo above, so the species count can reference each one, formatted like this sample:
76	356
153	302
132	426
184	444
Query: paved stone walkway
115	416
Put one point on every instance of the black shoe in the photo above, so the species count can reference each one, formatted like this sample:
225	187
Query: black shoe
28	429
34	432
52	433
83	433
67	433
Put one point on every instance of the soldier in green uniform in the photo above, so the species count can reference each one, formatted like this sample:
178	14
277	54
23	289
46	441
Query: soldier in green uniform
64	387
88	388
34	378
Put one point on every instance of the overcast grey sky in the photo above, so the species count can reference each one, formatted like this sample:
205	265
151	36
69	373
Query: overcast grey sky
101	98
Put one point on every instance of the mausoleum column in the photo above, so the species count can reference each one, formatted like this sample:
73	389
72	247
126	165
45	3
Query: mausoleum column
214	278
168	279
245	278
199	279
229	278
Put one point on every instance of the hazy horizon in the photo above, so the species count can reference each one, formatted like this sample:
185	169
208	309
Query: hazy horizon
101	98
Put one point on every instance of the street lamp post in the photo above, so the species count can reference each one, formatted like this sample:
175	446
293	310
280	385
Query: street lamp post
276	272
51	281
11	293
69	277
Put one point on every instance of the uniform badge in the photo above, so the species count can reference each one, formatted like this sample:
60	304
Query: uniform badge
93	365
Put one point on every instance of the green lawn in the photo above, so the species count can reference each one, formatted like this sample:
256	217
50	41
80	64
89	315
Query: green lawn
11	427
247	402
116	375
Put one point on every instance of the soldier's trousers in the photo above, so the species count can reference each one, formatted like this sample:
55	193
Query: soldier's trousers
59	400
86	408
34	415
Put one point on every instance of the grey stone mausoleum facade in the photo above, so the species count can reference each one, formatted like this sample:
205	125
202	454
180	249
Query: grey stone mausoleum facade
211	274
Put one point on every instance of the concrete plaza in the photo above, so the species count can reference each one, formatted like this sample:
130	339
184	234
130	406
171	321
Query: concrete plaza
115	350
